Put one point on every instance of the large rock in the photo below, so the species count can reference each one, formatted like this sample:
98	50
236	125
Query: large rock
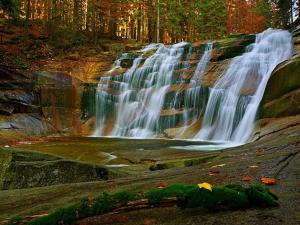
231	47
281	97
24	169
286	105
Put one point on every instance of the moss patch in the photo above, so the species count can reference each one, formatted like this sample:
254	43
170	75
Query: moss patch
188	196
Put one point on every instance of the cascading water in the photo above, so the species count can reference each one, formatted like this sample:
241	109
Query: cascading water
194	96
138	102
235	98
154	94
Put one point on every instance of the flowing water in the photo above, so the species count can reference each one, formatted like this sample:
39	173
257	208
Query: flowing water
235	98
153	95
149	96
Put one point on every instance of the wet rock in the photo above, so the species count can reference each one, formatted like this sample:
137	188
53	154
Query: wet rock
286	105
231	47
188	131
281	97
126	60
213	72
20	169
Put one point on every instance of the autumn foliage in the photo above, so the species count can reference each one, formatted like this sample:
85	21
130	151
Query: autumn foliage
143	20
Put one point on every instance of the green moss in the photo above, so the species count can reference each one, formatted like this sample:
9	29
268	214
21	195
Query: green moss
194	162
261	196
125	196
156	195
218	197
189	196
66	215
162	166
103	204
15	220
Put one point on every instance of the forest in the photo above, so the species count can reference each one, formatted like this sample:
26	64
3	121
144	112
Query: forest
149	112
147	21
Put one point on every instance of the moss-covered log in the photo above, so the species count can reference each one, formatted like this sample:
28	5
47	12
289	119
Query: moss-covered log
184	196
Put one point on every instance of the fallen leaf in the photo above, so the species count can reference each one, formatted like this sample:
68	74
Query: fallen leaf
163	184
206	186
149	221
268	181
247	178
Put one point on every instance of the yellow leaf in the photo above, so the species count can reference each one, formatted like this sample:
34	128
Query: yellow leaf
206	186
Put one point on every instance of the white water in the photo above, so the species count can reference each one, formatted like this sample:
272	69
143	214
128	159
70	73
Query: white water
235	98
132	104
194	96
141	92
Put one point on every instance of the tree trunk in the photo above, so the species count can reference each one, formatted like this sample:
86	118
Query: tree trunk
27	11
158	23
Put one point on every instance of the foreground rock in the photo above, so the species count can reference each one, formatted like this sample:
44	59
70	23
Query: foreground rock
275	156
21	169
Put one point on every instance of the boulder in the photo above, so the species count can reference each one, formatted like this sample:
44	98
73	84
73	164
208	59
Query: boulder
25	169
281	97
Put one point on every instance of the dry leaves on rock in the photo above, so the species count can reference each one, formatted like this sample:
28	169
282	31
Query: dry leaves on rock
268	181
163	184
246	178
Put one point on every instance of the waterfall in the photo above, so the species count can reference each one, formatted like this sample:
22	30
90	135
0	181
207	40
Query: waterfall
194	96
151	95
235	98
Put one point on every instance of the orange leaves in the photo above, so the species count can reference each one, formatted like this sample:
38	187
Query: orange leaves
149	221
247	178
268	181
162	184
264	180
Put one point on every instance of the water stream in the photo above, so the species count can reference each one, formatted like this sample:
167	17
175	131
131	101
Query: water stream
154	95
235	98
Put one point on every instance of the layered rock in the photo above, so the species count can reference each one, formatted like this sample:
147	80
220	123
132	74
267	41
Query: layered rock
24	169
282	95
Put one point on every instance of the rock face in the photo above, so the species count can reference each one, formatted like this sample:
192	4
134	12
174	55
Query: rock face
23	169
39	103
282	95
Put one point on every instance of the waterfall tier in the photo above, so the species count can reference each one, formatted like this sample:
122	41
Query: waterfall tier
235	98
161	90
